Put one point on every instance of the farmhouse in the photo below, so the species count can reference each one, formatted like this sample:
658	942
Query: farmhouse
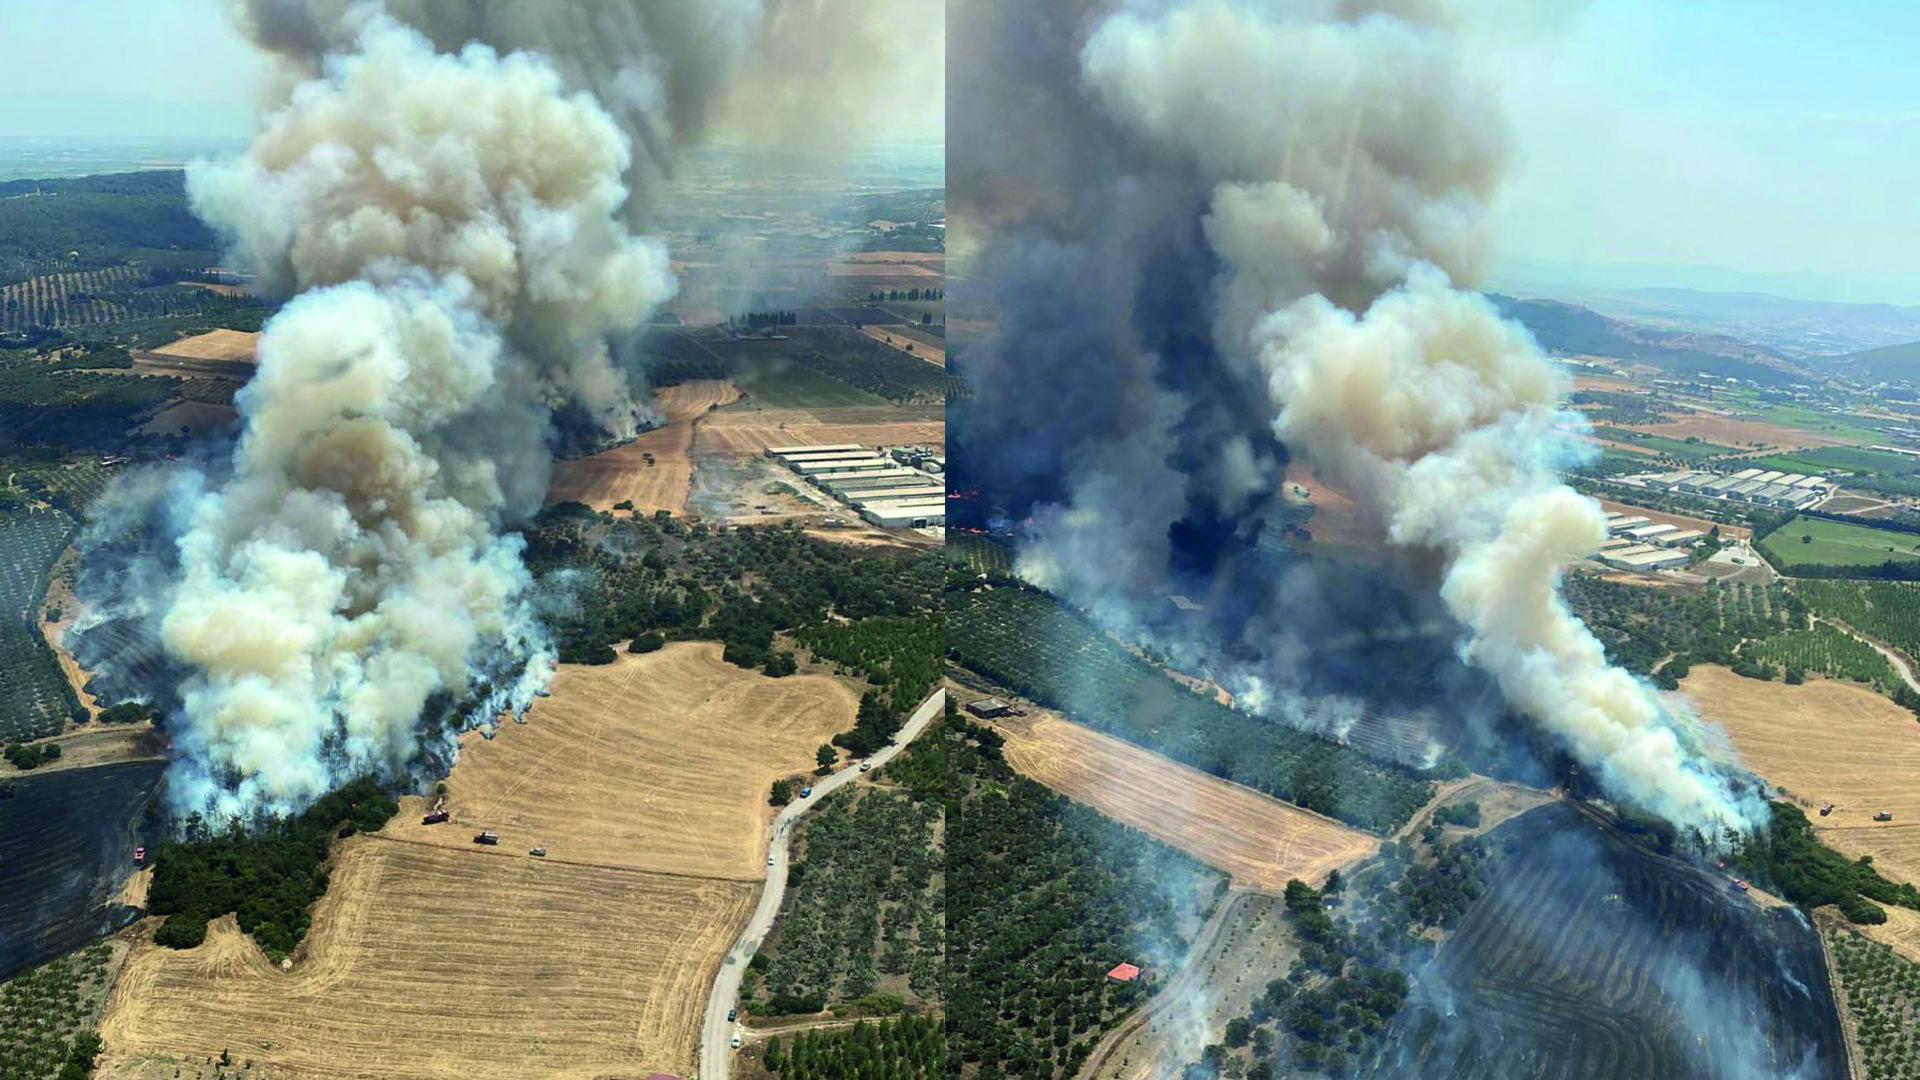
1124	972
989	707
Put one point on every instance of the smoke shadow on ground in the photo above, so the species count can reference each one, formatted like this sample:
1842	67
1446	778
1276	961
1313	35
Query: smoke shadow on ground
1593	958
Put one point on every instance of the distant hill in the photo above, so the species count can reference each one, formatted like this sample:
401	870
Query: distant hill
1570	329
91	222
1892	363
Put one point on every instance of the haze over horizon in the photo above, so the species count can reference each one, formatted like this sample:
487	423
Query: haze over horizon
1655	147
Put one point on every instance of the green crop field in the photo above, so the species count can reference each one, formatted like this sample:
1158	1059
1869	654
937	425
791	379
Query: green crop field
1661	444
35	699
786	385
1825	423
1833	543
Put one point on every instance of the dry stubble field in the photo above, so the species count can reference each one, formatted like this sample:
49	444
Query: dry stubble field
1830	741
435	959
1260	841
657	762
751	431
622	473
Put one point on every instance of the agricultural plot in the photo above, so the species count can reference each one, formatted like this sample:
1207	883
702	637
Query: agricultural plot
1827	742
1825	650
655	470
1260	841
1887	611
1693	449
79	298
1879	991
48	1014
979	554
1833	543
35	699
659	762
440	964
1027	642
1590	958
864	912
66	845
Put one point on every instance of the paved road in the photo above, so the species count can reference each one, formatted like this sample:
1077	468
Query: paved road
716	1032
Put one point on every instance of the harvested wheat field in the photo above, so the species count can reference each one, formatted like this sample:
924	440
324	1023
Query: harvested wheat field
229	345
656	762
1258	840
623	473
751	430
442	965
1827	741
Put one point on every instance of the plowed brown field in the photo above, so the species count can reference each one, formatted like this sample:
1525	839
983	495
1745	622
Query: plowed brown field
622	473
1258	840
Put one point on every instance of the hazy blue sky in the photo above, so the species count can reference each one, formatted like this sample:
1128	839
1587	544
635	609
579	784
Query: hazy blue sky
120	68
1774	136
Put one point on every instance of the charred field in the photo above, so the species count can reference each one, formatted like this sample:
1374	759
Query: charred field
1593	958
66	844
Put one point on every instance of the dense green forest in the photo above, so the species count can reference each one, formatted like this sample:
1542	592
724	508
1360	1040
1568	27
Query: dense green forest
1044	896
96	221
631	577
1028	642
864	903
906	1048
269	876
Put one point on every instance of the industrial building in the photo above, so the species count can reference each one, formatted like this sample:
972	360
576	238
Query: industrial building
933	492
1680	538
827	468
896	516
784	451
1645	533
1650	558
1620	525
853	483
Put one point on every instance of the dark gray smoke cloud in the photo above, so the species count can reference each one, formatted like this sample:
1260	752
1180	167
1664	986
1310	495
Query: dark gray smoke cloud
1219	233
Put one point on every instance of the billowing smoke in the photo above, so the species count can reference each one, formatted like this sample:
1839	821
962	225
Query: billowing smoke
450	228
1243	231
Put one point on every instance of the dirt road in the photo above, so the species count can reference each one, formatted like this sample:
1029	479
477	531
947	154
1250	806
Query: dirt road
716	1036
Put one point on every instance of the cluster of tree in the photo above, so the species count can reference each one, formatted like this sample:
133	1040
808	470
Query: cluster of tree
1613	407
907	294
1643	627
99	221
63	407
1466	814
899	655
1881	993
269	876
922	767
1044	896
127	712
863	902
1789	858
846	355
911	1047
1026	641
44	1014
760	320
24	756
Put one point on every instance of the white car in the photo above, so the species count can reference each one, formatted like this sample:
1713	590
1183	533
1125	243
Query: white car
736	1040
866	765
769	860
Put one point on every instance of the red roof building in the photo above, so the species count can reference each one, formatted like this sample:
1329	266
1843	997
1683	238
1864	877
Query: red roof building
1124	973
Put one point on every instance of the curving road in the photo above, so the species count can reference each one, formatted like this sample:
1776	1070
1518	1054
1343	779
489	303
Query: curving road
716	1031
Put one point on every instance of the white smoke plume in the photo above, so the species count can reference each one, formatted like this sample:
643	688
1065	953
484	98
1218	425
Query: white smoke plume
450	227
1335	158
